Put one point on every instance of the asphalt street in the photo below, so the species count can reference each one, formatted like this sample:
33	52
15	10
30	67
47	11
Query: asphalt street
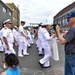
29	64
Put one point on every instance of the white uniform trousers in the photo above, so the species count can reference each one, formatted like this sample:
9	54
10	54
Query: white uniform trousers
28	42
1	46
22	45
11	49
37	43
47	53
40	46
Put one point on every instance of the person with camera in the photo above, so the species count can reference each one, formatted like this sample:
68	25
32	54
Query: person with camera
69	41
45	37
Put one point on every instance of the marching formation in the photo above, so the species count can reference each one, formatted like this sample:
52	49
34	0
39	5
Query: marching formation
20	36
23	38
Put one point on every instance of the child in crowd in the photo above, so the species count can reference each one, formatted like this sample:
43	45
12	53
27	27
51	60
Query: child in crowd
11	62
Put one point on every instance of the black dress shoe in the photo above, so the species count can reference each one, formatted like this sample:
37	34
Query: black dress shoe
1	51
41	54
47	66
41	65
29	46
43	49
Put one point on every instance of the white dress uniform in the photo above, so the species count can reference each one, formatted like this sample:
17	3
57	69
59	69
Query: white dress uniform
9	35
27	34
47	50
37	43
1	45
15	34
22	42
32	36
29	40
39	40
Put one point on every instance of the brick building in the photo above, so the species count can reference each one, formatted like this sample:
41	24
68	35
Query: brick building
60	17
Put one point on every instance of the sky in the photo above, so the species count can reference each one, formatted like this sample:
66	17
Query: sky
37	11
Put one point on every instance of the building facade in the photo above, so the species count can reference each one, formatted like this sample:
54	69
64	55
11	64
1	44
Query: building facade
5	13
16	14
60	17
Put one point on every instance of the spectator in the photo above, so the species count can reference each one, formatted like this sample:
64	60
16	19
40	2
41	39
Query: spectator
11	63
69	41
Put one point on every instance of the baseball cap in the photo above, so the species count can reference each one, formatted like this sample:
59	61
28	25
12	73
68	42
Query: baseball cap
72	14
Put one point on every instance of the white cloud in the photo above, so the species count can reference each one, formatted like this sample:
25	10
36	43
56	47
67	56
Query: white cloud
40	10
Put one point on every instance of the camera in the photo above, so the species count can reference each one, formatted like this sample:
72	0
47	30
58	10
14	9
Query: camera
54	26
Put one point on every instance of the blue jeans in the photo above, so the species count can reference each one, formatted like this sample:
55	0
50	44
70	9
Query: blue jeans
69	64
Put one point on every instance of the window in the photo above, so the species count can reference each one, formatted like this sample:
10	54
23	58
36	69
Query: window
64	20
13	18
55	22
59	21
4	10
13	9
10	13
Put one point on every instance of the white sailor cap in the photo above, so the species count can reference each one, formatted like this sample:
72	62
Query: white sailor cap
45	24
7	21
24	26
15	26
29	28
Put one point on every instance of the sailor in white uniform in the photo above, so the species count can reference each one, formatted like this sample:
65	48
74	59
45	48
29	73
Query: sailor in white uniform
27	34
8	38
1	42
15	32
39	40
22	40
44	62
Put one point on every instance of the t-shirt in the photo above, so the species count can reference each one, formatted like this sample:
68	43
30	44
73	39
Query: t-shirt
70	37
13	71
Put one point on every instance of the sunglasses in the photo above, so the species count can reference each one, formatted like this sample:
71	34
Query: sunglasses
9	23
